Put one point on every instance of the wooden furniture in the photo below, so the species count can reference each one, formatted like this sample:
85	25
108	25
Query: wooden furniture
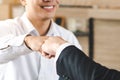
10	1
10	9
98	3
5	11
110	56
107	42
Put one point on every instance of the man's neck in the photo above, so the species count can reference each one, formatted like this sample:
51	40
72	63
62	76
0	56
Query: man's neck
42	26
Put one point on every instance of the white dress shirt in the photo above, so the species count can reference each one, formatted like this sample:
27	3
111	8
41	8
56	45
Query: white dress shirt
17	62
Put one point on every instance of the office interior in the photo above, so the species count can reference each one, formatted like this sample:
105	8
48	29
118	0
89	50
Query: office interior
96	24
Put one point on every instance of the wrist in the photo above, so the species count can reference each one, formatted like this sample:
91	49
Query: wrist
59	44
26	41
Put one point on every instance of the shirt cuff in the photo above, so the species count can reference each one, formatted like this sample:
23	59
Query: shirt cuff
60	49
17	41
11	40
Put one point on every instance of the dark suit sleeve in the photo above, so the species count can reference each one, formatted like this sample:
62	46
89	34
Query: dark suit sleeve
73	64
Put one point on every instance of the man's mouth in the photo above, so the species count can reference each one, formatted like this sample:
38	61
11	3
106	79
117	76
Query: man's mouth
47	7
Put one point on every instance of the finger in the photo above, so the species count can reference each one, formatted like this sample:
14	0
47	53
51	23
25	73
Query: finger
43	54
49	56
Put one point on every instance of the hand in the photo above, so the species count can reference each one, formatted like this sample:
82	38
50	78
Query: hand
35	42
51	45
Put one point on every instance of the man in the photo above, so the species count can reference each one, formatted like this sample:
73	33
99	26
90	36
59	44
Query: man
73	64
21	39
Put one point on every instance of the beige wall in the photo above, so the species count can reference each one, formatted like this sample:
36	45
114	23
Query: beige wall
106	43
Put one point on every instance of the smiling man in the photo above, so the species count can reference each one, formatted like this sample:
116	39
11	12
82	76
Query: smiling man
21	39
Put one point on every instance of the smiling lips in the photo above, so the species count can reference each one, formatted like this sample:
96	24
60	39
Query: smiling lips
48	7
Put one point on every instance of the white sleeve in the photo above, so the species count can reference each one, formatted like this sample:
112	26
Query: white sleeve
12	47
11	40
60	49
75	41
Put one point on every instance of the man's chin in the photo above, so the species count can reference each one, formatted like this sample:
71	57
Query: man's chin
48	18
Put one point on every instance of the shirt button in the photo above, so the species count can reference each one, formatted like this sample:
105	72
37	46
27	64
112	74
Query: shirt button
66	78
63	76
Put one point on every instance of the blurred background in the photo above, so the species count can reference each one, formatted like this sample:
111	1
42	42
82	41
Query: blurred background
96	24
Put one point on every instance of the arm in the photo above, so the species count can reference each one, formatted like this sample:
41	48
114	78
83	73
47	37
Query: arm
77	66
74	64
12	47
75	41
14	42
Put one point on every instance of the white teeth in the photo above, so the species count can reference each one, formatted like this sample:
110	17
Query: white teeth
48	7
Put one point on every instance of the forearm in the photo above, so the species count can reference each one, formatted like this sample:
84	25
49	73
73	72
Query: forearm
12	53
60	49
12	47
78	66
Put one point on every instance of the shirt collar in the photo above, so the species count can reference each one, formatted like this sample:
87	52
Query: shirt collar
53	31
28	25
